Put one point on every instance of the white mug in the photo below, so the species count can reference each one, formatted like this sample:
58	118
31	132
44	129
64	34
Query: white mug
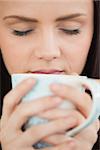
42	89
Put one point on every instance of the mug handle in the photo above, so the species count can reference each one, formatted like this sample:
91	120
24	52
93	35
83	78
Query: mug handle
94	87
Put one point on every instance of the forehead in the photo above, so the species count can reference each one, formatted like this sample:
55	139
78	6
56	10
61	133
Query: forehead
47	7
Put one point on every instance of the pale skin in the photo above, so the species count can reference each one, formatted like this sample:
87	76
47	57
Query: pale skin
51	35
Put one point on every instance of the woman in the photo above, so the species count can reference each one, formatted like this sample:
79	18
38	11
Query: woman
79	33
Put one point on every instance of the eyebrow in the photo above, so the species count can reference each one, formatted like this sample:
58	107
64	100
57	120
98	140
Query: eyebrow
27	19
71	16
21	18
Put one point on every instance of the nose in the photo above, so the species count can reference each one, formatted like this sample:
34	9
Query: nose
48	48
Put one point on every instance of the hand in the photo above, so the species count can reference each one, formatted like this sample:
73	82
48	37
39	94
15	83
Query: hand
83	103
16	113
84	140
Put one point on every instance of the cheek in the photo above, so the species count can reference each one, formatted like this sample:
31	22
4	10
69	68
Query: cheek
14	59
16	54
75	53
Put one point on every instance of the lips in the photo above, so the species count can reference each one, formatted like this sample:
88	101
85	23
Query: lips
49	71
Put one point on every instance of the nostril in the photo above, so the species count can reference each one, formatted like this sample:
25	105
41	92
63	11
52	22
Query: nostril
47	58
55	58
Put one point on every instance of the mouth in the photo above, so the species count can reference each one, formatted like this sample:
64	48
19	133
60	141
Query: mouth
48	72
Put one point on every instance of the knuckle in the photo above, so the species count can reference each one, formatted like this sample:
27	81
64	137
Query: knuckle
5	99
73	144
8	99
21	110
47	100
1	124
80	118
60	123
94	135
43	103
3	135
97	124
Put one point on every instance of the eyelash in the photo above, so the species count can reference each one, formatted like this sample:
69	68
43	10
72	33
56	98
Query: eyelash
66	31
22	33
71	32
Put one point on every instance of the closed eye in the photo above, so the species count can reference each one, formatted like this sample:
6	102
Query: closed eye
22	33
71	31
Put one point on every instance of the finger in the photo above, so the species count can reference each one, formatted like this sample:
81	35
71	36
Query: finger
57	139
70	145
30	148
36	133
97	125
22	148
60	138
85	139
14	96
28	109
57	113
88	134
81	100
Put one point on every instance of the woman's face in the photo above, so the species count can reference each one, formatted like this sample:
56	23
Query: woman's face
46	35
